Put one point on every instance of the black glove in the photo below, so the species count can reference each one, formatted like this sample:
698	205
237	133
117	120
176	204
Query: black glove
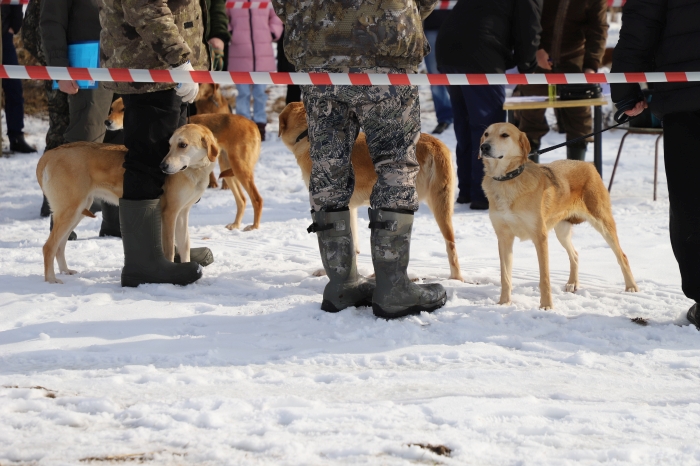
627	104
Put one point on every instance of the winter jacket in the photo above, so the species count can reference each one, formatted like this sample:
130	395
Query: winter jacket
64	22
584	32
252	33
152	34
660	35
218	21
490	36
334	36
11	18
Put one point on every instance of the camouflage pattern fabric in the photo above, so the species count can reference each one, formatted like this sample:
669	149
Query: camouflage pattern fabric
390	118
151	34
59	115
354	33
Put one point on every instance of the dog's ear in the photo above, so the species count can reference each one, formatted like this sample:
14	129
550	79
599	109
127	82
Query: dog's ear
216	87
212	145
283	121
524	145
481	141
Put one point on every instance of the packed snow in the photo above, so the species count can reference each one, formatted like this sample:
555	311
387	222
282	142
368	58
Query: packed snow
244	368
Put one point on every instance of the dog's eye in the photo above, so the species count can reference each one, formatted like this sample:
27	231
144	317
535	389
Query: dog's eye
182	145
486	135
505	135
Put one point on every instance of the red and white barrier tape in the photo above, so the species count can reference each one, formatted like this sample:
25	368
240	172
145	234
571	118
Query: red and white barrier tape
442	5
352	79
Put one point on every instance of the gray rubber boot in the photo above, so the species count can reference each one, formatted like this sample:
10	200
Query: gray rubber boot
144	261
346	287
576	151
202	256
396	295
110	220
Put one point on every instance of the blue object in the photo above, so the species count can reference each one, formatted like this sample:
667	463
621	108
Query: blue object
83	55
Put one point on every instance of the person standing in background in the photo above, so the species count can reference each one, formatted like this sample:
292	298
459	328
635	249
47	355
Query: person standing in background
484	36
14	99
574	34
441	97
252	32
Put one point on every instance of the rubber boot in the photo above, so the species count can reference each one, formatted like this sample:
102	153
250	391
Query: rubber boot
576	151
110	221
18	144
202	256
346	287
395	294
96	206
144	261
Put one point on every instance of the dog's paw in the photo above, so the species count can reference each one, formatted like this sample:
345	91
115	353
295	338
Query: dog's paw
632	289
233	226
546	306
457	277
504	302
319	273
54	280
571	287
213	185
69	272
250	228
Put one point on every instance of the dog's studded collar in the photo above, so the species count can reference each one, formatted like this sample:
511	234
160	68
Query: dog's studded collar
510	175
302	135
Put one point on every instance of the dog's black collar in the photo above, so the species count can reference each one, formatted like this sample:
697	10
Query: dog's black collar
510	175
302	135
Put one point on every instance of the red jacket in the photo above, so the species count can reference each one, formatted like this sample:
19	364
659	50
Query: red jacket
252	34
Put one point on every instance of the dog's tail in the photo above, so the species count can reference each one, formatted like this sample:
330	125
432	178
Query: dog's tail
442	187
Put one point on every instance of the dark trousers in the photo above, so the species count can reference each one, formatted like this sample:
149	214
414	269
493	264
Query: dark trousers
474	109
149	121
682	158
14	100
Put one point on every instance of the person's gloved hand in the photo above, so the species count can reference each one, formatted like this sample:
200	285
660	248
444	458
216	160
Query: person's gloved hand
216	47
188	91
630	108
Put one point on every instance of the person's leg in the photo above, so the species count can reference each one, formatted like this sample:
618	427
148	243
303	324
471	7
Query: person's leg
88	110
333	128
533	122
59	118
485	106
243	100
441	97
14	100
463	149
259	102
578	122
681	140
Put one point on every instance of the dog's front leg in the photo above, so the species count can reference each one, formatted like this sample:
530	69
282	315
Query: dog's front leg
505	253
540	240
353	228
182	235
169	219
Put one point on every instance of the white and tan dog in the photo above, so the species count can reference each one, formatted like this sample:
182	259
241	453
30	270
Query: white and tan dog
434	184
73	175
528	200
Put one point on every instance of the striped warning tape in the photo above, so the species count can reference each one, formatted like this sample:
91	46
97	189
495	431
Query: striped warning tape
352	79
442	5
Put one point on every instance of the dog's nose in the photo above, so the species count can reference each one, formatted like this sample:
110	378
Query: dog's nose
108	123
485	147
163	166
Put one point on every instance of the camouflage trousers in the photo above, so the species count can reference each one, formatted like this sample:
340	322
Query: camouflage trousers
59	117
390	118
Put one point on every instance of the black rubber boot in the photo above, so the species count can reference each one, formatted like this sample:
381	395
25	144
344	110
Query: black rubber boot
346	287
144	261
110	220
576	151
202	256
18	144
693	317
96	206
396	295
45	210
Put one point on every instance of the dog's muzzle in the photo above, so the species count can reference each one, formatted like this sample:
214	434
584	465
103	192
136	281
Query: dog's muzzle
485	151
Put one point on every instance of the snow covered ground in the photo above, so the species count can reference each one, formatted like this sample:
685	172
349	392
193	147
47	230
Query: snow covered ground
244	368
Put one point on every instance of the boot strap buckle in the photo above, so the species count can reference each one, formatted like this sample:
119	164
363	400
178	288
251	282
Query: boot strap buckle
388	225
315	227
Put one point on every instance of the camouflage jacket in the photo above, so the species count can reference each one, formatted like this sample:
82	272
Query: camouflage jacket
152	34
336	35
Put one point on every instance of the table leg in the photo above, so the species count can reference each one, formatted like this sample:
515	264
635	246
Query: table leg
598	139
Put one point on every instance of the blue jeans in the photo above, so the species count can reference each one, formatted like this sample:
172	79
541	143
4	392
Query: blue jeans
259	100
475	109
441	98
14	99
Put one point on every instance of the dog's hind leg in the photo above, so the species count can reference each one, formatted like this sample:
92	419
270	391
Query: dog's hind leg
563	230
67	221
247	181
353	228
238	195
505	254
606	227
442	211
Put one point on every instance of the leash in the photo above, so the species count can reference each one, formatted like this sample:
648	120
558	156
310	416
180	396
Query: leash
620	117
